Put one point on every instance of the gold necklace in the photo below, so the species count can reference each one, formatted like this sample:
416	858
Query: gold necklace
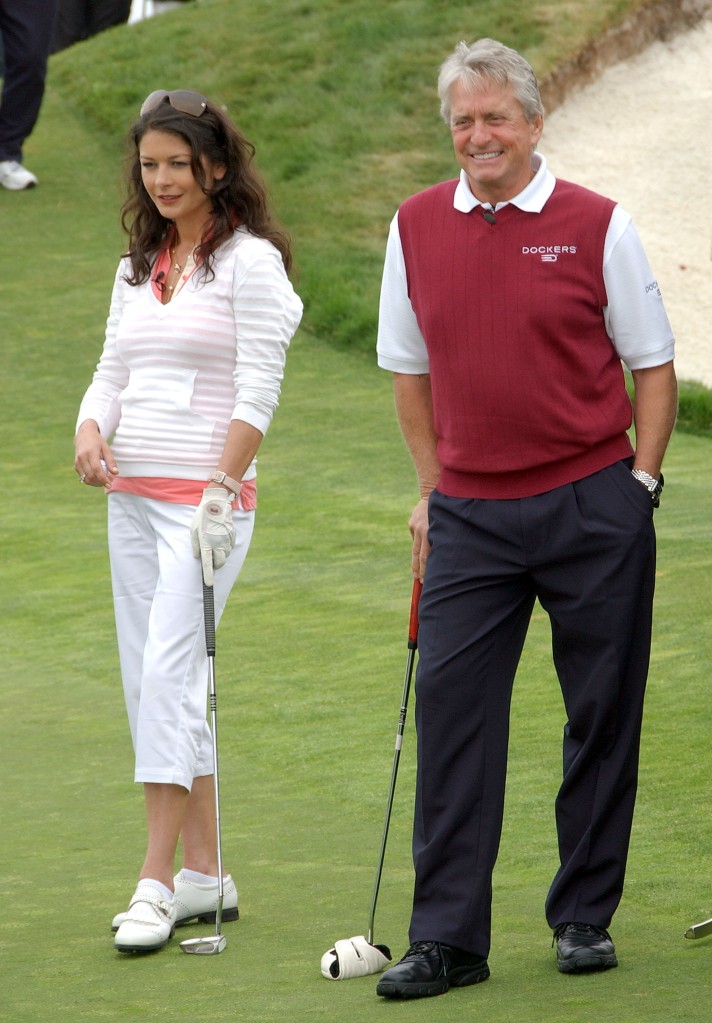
177	267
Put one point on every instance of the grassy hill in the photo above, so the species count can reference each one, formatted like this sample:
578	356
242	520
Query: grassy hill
339	97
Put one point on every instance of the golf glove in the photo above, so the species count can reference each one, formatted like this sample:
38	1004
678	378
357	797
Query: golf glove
212	533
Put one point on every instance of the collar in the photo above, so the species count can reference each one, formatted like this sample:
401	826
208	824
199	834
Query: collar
531	199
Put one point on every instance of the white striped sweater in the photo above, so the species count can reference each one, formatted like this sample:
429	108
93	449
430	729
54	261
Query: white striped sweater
172	377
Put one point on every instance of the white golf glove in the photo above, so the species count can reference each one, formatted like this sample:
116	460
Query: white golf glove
212	533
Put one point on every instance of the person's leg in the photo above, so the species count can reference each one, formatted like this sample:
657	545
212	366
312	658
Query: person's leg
27	31
71	23
599	594
134	577
199	832
103	14
174	743
160	627
474	613
173	740
170	810
165	813
198	835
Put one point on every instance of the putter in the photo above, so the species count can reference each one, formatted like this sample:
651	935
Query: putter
358	956
216	944
699	930
412	647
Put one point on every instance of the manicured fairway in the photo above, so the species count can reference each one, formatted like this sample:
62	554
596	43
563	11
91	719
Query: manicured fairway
310	660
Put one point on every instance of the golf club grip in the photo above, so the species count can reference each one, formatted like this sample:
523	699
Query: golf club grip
209	616
413	624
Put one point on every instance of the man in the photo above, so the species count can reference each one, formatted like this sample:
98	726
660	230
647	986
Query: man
26	30
509	300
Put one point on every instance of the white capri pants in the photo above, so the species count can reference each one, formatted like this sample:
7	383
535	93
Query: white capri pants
158	603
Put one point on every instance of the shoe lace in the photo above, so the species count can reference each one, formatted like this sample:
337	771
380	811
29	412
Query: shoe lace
420	948
574	928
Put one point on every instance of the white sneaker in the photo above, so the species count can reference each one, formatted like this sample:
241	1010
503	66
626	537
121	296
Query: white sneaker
16	177
149	921
197	902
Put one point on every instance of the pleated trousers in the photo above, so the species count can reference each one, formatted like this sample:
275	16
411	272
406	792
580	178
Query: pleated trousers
586	552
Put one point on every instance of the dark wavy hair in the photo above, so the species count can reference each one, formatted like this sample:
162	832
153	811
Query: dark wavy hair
239	198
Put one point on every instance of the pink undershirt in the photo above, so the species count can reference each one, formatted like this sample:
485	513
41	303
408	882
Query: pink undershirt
176	491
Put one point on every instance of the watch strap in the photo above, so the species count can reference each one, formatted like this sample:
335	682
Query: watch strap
226	481
653	486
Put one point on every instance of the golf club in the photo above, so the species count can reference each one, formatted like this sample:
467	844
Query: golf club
211	946
358	956
699	930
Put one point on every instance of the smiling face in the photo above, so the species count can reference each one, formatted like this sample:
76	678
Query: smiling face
167	175
493	140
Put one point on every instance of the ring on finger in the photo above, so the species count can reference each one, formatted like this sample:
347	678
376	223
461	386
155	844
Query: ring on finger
83	477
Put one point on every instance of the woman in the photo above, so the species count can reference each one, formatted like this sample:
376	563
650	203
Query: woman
201	315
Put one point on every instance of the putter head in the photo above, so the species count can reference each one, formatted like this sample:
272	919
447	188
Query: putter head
699	930
211	946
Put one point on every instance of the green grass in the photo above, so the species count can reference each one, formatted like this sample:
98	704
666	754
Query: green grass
312	648
695	408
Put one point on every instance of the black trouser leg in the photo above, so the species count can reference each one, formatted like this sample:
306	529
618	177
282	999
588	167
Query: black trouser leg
601	611
474	614
26	32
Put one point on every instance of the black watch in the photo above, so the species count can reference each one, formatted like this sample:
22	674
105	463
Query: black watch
653	486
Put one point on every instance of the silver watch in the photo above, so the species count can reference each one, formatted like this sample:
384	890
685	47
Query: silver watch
653	486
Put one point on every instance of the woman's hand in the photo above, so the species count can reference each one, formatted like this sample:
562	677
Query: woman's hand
212	532
93	460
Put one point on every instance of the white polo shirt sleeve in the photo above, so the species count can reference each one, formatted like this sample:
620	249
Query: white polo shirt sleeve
635	316
401	346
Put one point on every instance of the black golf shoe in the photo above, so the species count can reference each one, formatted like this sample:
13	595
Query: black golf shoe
429	968
583	948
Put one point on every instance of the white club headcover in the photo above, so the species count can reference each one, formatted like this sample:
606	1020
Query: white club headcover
354	957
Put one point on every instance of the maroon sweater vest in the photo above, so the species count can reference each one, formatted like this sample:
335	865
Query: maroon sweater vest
528	392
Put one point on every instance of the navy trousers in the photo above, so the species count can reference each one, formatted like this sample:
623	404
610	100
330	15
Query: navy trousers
82	19
26	28
586	551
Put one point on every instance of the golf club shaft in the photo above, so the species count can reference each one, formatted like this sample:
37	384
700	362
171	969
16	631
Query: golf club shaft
412	647
209	615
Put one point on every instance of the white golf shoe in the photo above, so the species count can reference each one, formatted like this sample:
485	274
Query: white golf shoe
148	923
16	177
194	901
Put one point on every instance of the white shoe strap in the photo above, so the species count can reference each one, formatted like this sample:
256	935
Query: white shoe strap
153	900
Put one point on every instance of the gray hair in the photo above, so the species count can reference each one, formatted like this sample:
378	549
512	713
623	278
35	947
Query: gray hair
487	59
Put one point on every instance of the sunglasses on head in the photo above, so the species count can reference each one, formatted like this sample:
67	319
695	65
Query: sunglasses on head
184	100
